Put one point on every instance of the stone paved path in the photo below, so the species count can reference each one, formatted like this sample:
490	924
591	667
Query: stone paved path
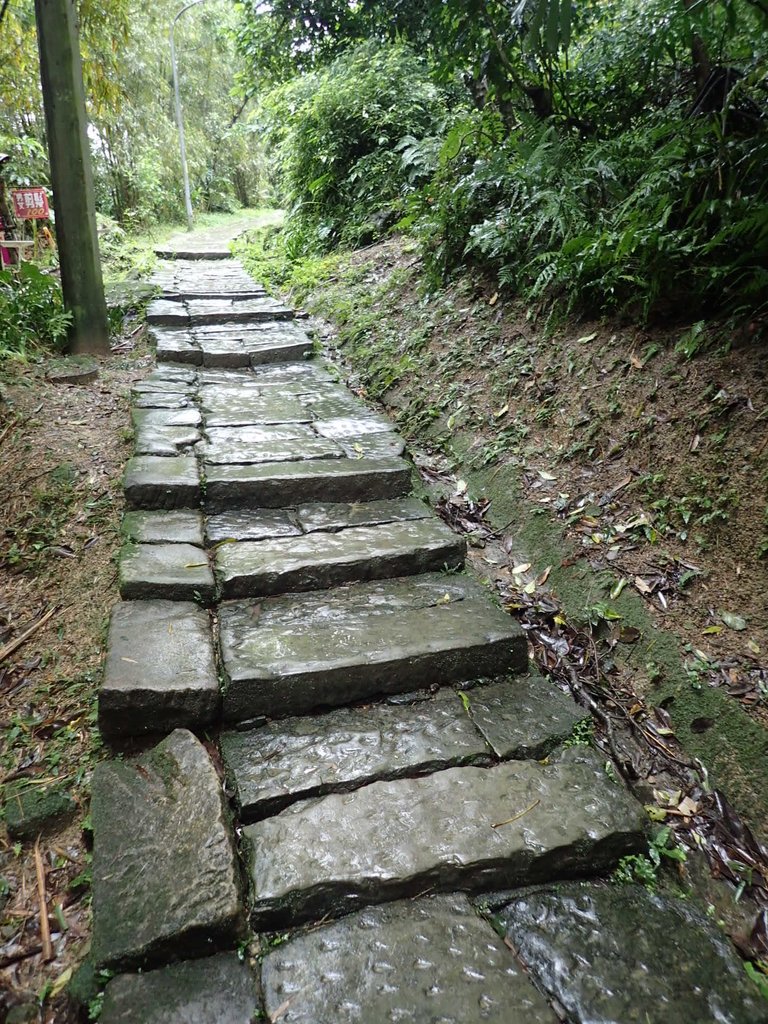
345	758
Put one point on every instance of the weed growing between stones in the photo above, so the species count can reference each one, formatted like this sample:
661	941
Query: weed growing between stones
645	869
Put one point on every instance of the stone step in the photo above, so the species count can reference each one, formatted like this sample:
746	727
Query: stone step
168	312
235	346
174	572
475	829
156	482
160	672
165	871
583	945
165	252
215	990
430	961
280	484
289	655
293	759
320	560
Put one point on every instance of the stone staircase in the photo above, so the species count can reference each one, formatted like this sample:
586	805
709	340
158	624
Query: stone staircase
354	752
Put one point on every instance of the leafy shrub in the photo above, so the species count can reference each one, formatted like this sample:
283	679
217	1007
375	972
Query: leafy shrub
337	131
669	216
32	315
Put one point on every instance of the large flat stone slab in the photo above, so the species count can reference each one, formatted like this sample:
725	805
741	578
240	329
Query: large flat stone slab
165	874
432	960
175	572
159	672
281	484
175	345
235	310
181	526
465	828
330	517
622	954
288	655
523	716
297	758
189	417
217	990
226	406
247	524
164	440
320	560
294	449
156	482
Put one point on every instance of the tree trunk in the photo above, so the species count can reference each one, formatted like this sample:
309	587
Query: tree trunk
70	158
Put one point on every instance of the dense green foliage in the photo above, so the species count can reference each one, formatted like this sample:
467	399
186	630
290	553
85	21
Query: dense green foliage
336	132
127	71
32	315
600	154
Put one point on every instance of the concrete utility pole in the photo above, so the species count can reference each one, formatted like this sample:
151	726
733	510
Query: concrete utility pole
70	158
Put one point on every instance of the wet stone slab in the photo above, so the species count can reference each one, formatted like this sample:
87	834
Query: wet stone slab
372	446
465	828
159	672
164	440
432	960
292	378
620	953
281	484
244	453
292	654
175	345
165	874
523	717
182	374
158	482
184	526
233	311
163	401
330	517
353	426
259	524
297	758
225	352
216	989
224	406
146	418
161	386
174	572
167	313
319	560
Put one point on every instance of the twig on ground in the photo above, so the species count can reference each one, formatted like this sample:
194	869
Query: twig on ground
517	817
45	930
23	954
14	645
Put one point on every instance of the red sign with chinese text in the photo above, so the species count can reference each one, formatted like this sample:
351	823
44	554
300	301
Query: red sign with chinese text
30	203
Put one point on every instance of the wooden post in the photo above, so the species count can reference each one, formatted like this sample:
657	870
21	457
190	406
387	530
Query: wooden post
70	158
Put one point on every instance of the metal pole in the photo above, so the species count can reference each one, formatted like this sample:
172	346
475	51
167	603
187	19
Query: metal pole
179	118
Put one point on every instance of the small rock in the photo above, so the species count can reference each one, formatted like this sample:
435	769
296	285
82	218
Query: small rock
30	810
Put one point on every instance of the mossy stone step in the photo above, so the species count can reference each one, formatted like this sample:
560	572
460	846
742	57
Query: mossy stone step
432	960
289	655
215	990
165	871
320	560
159	672
281	484
475	829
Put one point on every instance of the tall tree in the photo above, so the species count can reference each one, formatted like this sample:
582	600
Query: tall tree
70	158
